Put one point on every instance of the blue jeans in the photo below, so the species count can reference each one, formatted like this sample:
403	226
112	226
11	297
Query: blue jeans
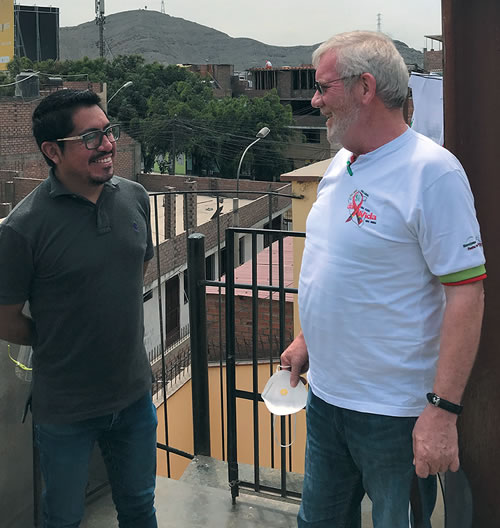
128	444
350	453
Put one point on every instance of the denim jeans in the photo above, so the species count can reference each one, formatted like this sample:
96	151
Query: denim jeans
128	444
350	453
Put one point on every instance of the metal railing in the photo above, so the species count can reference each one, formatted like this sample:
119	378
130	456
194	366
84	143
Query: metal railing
277	291
169	371
232	391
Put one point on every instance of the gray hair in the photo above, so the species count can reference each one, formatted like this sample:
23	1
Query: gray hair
360	52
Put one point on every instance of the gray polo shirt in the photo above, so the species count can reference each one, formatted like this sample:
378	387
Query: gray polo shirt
80	265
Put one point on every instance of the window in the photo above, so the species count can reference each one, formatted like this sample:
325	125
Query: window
210	267
186	287
242	250
222	263
311	135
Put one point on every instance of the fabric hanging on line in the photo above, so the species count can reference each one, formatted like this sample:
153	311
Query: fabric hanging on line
428	112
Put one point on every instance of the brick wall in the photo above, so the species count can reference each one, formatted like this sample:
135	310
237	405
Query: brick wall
158	182
433	60
173	252
267	335
19	151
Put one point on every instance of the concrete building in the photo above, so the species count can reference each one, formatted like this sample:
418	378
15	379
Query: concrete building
197	206
433	55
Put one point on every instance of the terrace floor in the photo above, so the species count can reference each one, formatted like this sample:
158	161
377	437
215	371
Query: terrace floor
202	499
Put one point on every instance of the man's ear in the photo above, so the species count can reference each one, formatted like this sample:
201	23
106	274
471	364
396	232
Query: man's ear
368	85
52	150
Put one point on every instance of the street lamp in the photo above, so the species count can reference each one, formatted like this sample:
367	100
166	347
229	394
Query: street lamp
261	134
126	85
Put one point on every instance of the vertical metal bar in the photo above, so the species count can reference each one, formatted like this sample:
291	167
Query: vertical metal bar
271	366
221	362
255	365
162	333
282	316
199	359
281	274
231	368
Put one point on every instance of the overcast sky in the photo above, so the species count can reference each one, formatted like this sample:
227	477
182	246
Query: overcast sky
280	22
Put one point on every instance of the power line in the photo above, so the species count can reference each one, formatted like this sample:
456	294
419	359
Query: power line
20	81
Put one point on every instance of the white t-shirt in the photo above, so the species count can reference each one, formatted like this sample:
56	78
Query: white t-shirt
371	302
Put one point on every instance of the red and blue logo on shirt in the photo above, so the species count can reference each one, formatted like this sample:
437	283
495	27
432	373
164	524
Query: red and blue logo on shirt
359	214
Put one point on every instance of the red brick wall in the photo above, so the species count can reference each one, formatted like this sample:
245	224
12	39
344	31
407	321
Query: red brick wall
173	252
158	182
244	327
433	60
19	151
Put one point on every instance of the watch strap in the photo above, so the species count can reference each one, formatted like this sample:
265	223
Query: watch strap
437	401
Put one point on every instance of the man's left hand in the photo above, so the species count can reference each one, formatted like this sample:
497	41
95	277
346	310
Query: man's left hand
435	442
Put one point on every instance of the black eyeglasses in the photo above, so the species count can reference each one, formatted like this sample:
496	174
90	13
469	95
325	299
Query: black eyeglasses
321	88
93	140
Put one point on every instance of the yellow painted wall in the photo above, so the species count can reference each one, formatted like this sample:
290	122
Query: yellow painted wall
6	33
180	422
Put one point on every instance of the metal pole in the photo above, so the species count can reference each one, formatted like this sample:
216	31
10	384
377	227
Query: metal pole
236	200
199	349
232	451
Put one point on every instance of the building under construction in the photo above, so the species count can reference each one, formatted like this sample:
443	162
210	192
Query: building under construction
36	31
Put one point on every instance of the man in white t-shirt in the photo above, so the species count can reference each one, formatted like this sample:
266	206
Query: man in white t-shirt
390	297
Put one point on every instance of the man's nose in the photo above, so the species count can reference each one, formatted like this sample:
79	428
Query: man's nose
316	100
106	144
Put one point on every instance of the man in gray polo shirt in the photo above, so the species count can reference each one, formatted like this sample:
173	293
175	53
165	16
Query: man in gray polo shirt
76	248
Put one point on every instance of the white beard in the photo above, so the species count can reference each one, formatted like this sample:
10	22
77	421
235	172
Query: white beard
338	125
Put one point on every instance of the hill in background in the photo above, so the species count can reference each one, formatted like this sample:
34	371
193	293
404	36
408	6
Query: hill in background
170	40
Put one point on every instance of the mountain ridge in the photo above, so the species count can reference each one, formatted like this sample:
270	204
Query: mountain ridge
171	40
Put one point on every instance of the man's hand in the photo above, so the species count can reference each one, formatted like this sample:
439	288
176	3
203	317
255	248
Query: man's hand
296	357
435	442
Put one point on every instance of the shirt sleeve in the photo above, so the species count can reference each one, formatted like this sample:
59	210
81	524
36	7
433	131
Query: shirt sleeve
16	266
448	230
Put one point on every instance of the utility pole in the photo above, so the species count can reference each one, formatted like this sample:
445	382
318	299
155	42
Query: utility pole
379	22
163	6
100	20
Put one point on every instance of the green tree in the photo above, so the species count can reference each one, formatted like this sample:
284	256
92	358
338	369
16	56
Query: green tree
168	109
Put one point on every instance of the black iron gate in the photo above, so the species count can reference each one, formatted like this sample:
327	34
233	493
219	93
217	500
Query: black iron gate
233	393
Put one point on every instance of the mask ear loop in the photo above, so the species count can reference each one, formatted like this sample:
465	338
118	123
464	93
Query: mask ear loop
294	431
279	367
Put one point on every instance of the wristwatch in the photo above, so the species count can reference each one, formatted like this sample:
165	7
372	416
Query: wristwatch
435	400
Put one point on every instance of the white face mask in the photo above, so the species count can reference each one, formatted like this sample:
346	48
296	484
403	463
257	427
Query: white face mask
280	397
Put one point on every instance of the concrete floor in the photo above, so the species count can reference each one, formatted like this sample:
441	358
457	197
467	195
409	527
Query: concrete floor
202	499
181	504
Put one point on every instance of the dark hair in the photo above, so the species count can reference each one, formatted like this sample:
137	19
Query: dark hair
53	117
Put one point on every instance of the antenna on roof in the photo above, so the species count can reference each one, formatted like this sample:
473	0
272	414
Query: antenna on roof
100	20
379	22
163	6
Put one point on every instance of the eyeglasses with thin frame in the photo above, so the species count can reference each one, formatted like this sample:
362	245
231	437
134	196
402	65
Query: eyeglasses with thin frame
93	140
321	88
